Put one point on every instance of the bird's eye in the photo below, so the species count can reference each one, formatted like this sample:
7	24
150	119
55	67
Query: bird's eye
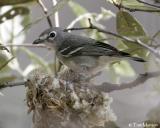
52	34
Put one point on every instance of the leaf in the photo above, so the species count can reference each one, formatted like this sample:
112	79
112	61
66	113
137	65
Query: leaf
13	2
10	14
123	68
132	4
5	64
128	26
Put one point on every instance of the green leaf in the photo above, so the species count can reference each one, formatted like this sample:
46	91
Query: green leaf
132	4
13	2
128	26
123	68
10	14
3	63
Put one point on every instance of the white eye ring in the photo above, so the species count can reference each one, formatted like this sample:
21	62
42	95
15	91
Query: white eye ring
52	34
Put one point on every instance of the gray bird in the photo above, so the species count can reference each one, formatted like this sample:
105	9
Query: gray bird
81	54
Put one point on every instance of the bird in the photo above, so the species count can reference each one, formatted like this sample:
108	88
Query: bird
81	54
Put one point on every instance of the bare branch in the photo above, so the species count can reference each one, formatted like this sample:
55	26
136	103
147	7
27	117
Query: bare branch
109	87
45	10
25	45
57	24
58	6
153	5
2	86
56	15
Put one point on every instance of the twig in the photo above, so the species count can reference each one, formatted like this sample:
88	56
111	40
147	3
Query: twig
57	24
25	45
140	10
109	87
45	10
153	39
56	15
153	5
12	84
134	41
58	6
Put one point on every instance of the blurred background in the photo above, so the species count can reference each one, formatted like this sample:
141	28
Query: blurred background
130	105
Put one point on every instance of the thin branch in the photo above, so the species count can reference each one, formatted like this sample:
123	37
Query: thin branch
25	45
140	10
134	41
58	6
56	15
45	10
153	5
2	86
57	24
109	87
154	36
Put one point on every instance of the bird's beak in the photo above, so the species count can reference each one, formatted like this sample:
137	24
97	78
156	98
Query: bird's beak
39	41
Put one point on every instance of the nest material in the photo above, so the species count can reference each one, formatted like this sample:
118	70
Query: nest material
66	103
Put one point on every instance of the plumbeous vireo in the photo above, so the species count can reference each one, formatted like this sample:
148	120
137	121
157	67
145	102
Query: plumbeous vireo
81	54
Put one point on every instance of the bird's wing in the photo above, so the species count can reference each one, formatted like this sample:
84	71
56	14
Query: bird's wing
78	46
90	49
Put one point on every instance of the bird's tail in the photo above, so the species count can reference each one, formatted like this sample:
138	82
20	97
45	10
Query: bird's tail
124	54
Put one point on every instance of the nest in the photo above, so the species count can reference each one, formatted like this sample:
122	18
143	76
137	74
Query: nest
66	103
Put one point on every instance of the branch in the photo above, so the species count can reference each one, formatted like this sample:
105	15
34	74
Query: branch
109	87
134	41
25	45
58	6
57	24
56	15
2	86
45	10
153	5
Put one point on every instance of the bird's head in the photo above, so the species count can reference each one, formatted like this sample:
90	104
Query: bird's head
51	37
